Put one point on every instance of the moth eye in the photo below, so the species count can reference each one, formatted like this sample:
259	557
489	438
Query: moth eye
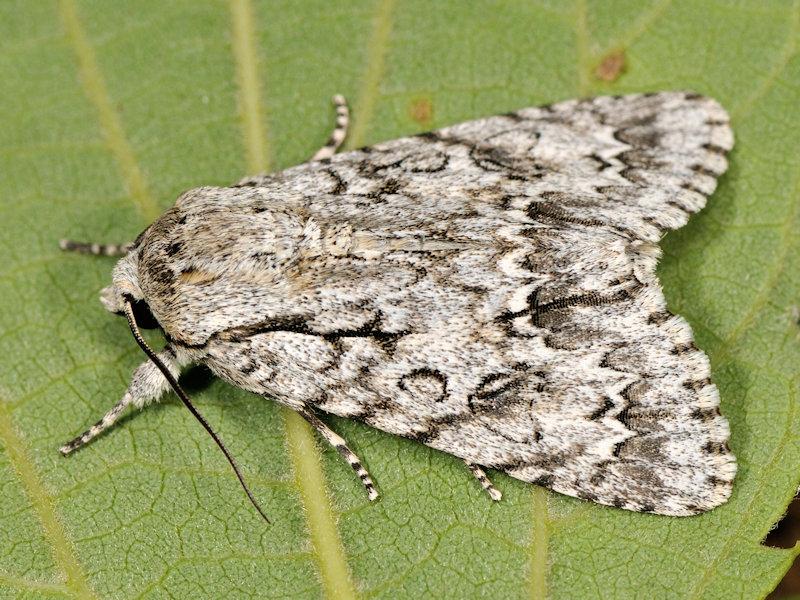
144	318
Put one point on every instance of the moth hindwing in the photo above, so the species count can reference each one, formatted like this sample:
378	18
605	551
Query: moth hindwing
487	289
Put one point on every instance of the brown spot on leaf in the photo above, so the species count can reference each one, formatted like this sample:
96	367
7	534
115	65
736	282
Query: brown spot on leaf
422	111
612	67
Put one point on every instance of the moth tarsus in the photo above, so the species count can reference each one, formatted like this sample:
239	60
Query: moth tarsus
96	249
482	478
487	289
340	131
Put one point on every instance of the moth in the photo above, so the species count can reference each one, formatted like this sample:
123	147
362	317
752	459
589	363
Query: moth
487	289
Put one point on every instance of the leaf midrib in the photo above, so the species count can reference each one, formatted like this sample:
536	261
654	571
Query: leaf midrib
97	92
26	470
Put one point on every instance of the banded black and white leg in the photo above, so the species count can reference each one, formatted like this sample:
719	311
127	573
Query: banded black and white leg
480	475
96	249
339	132
344	450
147	384
328	150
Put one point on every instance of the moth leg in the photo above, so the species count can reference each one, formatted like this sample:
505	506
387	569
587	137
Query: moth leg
341	446
147	384
96	249
480	475
339	133
328	150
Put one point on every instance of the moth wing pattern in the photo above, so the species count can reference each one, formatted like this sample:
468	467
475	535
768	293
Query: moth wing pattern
487	289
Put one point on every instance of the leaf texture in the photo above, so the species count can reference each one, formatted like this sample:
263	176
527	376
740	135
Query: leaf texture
109	111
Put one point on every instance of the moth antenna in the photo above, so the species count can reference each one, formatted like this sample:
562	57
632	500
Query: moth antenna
128	307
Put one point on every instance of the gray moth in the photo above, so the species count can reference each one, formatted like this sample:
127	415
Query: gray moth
487	289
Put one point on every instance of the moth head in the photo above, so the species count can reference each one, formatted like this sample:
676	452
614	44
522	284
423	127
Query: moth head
125	288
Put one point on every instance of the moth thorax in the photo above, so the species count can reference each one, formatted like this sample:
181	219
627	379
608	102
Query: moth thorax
337	240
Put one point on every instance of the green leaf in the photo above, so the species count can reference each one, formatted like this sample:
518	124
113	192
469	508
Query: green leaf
111	109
